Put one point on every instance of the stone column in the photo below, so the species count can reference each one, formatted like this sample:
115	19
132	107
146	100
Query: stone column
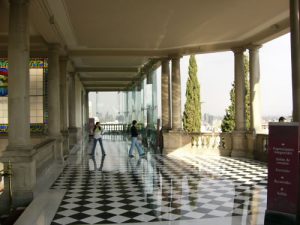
18	66
165	97
255	93
138	102
255	99
126	108
239	82
72	110
173	139
64	117
239	133
54	122
53	91
19	150
295	57
154	111
87	110
176	95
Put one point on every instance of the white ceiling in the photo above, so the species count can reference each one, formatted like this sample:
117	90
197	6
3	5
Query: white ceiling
122	34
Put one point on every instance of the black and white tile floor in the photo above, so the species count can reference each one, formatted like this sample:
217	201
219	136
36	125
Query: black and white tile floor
116	189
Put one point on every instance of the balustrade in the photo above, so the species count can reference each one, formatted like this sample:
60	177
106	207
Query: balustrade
114	128
221	144
261	147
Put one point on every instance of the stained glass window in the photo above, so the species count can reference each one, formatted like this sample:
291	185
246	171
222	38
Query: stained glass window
38	69
37	72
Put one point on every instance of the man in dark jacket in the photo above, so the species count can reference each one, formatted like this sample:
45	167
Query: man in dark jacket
134	141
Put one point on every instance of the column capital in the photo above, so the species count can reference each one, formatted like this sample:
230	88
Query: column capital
149	77
238	50
64	58
73	74
165	60
175	56
54	47
253	48
139	85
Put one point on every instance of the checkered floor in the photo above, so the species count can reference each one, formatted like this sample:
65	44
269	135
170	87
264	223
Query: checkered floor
116	189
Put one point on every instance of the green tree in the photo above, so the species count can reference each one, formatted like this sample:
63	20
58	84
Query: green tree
192	108
247	91
228	122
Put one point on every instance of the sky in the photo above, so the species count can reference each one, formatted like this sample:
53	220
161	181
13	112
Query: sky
216	75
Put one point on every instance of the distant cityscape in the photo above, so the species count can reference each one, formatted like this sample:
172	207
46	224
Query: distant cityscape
108	108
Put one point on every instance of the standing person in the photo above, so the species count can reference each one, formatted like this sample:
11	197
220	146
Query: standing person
134	141
97	137
281	119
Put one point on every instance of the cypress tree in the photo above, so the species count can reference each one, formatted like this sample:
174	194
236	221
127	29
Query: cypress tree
192	108
247	91
228	122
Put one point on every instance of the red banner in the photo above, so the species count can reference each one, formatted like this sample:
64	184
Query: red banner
283	167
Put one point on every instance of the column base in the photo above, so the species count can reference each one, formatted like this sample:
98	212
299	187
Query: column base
251	138
226	144
65	142
239	144
73	136
174	140
11	147
58	153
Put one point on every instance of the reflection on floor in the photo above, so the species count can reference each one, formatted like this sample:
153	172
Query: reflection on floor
117	189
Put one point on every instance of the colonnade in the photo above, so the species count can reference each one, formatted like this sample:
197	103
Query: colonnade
62	124
64	92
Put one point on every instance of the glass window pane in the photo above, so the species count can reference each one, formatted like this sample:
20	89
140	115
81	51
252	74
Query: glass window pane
39	91
39	72
39	119
32	112
39	113
39	105
39	99
39	84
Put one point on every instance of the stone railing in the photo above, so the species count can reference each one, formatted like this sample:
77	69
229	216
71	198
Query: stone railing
221	144
211	143
29	168
114	128
45	155
261	147
115	137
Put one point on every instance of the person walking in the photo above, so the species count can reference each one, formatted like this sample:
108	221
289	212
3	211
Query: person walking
97	137
134	141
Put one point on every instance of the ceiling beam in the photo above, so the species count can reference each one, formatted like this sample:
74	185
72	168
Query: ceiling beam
107	69
115	52
105	85
95	79
105	89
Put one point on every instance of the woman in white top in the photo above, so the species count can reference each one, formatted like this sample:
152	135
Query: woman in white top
97	137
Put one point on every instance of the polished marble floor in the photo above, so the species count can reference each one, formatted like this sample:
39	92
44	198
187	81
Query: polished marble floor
185	189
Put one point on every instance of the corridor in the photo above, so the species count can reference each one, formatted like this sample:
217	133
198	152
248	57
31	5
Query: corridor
163	190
